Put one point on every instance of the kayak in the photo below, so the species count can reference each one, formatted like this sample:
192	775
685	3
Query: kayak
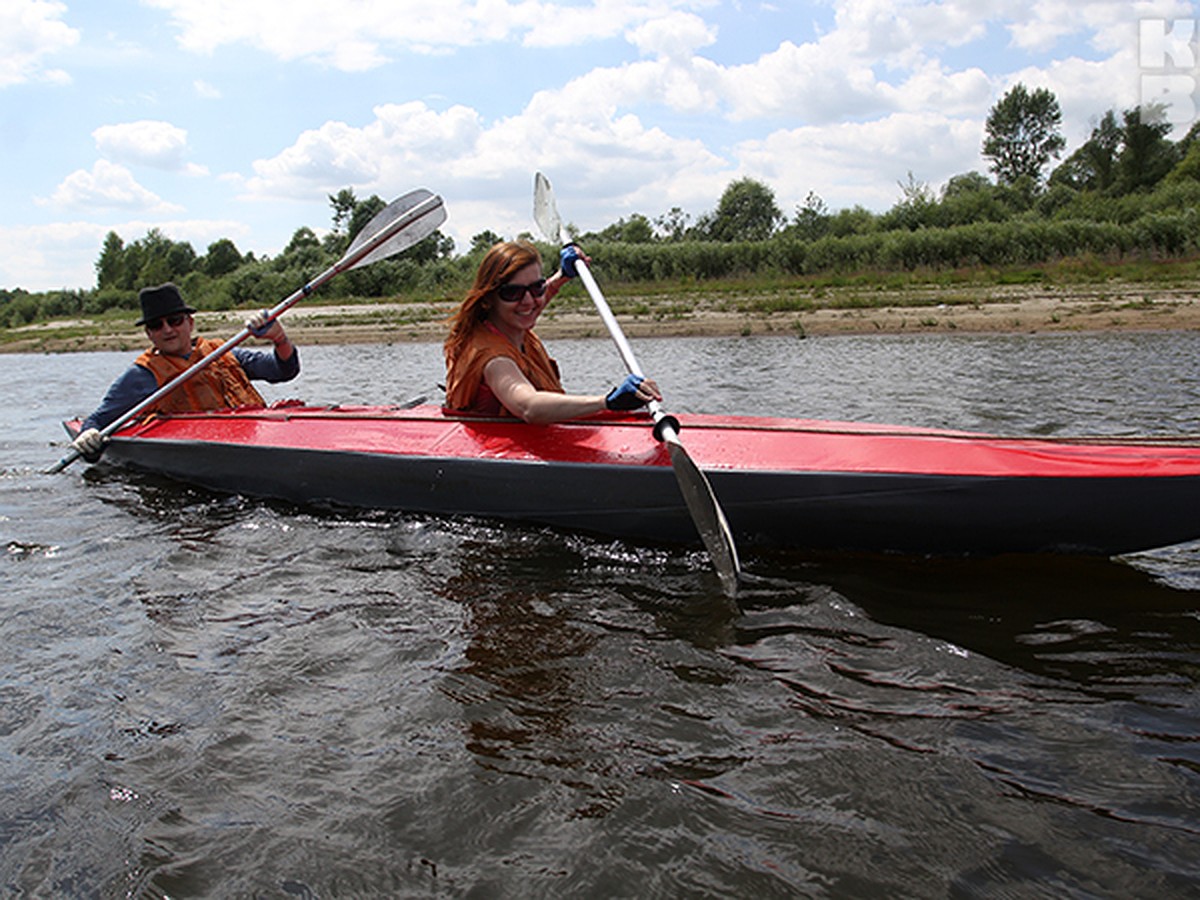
812	484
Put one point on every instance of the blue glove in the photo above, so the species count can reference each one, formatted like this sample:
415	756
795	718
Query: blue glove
567	257
260	330
624	395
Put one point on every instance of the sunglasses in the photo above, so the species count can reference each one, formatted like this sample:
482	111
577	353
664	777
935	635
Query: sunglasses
174	321
511	293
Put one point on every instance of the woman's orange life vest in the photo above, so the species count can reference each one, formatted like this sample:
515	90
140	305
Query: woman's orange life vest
222	384
466	391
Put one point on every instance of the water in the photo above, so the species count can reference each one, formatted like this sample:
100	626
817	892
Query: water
212	696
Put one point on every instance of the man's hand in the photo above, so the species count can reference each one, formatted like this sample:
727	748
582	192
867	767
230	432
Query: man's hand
89	444
261	326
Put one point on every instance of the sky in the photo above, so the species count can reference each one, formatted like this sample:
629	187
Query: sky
238	119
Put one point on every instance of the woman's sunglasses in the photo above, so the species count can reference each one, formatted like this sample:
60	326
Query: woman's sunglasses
174	321
511	293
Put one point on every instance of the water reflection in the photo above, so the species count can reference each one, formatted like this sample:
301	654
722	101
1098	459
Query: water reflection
518	677
1057	616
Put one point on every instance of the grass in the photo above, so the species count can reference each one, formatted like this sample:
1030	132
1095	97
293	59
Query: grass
753	295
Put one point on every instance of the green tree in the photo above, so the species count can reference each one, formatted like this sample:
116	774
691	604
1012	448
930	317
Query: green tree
1023	134
181	259
155	259
965	184
746	212
966	198
1093	166
303	256
363	213
634	230
303	238
1101	149
483	241
812	219
1188	168
344	203
856	220
1146	155
673	225
434	247
221	259
1186	142
110	267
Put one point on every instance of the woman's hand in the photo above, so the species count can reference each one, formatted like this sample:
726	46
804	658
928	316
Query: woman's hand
632	393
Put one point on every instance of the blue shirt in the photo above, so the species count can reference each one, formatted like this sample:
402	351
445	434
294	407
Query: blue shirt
136	383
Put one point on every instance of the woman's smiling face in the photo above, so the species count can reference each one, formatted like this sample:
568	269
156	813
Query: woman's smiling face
516	317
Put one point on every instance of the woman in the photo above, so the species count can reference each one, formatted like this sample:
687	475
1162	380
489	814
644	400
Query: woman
496	365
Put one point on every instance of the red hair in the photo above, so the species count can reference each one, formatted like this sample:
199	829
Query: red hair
500	263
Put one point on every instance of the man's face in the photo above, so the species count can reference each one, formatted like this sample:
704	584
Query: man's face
171	335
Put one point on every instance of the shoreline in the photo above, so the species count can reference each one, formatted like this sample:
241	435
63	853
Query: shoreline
953	310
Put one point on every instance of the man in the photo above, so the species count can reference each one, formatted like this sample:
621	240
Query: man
223	384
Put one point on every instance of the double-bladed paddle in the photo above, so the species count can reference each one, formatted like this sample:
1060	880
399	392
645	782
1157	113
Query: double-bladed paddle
697	492
396	227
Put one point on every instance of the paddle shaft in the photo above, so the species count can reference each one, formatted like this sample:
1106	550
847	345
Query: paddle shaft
698	494
353	256
623	348
702	503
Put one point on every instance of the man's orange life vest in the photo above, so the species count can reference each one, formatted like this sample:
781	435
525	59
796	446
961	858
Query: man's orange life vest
222	384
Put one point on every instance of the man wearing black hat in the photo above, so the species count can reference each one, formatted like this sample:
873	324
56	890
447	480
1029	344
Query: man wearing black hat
224	383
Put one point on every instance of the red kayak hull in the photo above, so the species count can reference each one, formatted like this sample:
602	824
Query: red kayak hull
782	482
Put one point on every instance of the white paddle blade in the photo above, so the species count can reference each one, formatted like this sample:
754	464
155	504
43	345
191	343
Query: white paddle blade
545	211
423	212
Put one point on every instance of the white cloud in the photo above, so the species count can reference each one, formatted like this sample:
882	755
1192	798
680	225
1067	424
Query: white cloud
676	36
405	141
31	31
63	254
47	257
488	169
862	163
358	35
1112	24
159	145
107	186
206	91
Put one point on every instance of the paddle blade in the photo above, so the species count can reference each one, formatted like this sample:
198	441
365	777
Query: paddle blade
545	210
424	212
708	516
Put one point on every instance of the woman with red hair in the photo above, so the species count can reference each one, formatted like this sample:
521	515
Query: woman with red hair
495	363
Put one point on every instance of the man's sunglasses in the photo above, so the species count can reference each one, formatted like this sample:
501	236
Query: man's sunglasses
511	293
174	321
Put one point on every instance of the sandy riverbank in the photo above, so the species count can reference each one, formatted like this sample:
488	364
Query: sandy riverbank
948	310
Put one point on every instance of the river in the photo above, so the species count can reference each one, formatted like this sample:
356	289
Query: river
205	695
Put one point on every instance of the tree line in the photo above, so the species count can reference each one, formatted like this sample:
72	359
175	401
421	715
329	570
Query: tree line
1127	191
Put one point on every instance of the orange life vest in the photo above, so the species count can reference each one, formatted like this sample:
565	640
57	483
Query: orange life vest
466	391
222	384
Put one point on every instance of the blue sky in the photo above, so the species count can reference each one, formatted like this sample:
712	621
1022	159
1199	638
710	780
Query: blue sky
238	118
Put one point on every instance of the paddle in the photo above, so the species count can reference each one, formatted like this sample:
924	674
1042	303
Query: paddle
396	227
697	492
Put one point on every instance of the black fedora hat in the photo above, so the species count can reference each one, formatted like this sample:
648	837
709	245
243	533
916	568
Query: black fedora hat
161	301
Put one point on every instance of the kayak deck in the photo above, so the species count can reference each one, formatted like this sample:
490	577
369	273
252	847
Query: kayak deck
783	482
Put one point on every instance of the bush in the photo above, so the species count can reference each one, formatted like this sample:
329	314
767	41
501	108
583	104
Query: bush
111	298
